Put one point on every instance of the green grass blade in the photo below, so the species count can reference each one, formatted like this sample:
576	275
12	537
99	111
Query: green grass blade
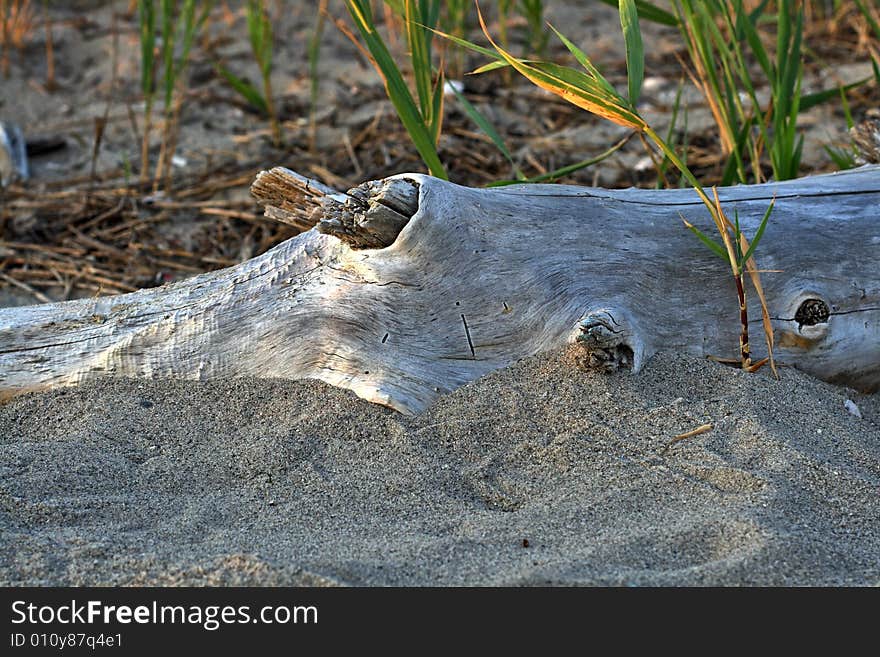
796	159
747	27
758	235
842	158
635	51
261	37
436	123
187	28
584	61
420	55
809	101
714	246
846	110
168	49
875	26
246	89
783	35
483	123
192	24
671	133
533	11
396	7
268	44
464	43
253	23
581	90
491	66
564	171
650	12
734	162
758	11
789	64
737	234
314	55
147	19
432	12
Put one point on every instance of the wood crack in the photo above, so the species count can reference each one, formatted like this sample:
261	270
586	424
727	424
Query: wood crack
467	332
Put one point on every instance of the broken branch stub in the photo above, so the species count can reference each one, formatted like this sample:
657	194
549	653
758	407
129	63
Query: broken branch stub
369	216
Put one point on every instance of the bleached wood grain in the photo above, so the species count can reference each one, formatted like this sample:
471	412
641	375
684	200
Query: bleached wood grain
477	279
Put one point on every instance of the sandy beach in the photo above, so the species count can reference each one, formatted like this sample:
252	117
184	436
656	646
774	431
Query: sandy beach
539	474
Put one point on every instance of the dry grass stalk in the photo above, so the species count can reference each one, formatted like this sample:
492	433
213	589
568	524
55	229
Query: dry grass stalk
17	18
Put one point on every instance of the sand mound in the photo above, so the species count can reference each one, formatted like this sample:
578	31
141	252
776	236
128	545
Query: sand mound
537	474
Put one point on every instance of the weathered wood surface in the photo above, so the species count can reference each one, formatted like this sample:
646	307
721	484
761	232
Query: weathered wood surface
477	279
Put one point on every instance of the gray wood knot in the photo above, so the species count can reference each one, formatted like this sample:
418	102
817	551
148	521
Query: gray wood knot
812	312
604	344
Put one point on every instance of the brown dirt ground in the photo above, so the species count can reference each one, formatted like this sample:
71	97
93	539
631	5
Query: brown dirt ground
83	226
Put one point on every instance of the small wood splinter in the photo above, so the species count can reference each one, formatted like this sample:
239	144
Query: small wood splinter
751	369
704	428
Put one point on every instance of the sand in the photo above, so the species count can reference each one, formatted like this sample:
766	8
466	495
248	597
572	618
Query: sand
539	474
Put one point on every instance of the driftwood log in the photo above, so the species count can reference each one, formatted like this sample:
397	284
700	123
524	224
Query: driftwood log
406	288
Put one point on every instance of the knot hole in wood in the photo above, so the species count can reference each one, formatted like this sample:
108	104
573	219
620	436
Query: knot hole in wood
812	312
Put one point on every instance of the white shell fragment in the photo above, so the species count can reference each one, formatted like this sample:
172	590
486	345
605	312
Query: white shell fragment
850	405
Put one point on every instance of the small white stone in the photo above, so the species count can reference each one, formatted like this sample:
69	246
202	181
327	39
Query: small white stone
653	83
450	87
644	164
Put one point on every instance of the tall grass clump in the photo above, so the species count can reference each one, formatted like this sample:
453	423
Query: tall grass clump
17	18
314	56
718	56
725	48
50	48
147	31
178	25
262	45
591	91
421	113
504	7
454	20
872	16
533	12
